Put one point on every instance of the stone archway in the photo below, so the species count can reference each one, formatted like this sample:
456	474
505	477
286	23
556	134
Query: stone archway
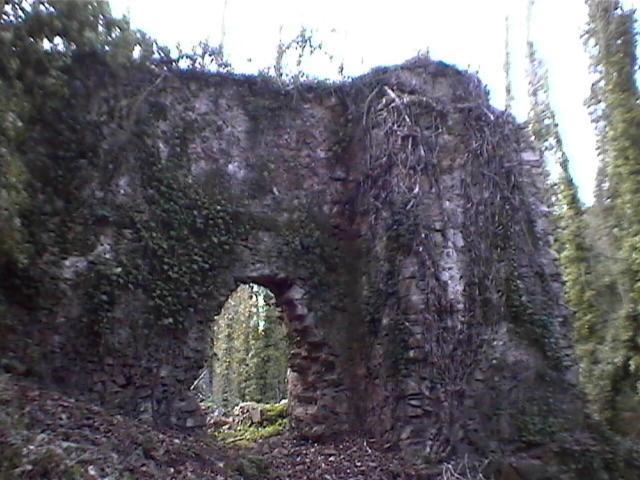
318	397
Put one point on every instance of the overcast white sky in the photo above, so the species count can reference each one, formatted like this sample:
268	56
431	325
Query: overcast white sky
367	33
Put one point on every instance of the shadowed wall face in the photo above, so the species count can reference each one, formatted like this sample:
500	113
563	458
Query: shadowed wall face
399	219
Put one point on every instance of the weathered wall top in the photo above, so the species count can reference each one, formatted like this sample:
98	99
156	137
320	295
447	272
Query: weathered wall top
399	219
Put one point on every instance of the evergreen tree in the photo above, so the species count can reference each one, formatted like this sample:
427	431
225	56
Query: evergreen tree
251	349
224	374
244	324
508	84
571	240
614	104
269	356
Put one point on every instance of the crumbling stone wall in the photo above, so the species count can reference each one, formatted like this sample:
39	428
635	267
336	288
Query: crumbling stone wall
194	183
399	219
469	335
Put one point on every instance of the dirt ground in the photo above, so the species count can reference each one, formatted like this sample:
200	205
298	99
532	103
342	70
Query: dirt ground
46	435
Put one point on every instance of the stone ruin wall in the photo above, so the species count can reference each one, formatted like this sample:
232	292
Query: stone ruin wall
399	219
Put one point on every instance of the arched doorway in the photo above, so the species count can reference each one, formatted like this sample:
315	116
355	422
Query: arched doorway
319	402
248	353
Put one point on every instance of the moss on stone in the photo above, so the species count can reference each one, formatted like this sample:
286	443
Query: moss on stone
273	422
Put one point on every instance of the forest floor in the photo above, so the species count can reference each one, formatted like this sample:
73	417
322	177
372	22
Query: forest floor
47	435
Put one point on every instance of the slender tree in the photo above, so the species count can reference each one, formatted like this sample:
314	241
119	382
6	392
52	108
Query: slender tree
611	41
251	349
571	239
508	84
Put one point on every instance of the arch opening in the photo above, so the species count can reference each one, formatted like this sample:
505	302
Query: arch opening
301	365
248	351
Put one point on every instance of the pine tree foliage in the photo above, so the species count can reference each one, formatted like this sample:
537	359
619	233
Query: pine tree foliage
250	349
615	110
571	241
268	358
